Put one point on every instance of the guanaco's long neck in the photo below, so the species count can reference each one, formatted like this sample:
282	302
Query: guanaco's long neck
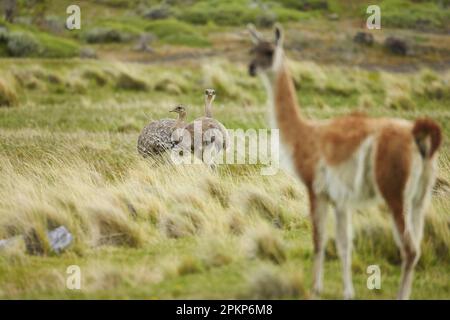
286	112
296	133
208	107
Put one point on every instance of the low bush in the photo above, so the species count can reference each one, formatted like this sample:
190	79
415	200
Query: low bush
105	35
177	32
21	44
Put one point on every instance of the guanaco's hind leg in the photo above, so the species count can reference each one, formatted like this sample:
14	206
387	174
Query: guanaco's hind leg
409	249
410	230
319	210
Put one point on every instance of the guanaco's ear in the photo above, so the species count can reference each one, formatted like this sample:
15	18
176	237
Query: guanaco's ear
254	34
279	35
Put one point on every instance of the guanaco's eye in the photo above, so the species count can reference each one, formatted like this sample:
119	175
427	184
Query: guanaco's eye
268	53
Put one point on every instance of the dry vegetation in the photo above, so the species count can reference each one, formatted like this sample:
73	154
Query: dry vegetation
149	229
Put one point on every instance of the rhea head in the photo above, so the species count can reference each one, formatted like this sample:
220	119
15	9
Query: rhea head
266	55
210	94
180	110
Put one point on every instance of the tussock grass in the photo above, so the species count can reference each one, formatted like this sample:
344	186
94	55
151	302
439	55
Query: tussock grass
189	265
265	243
262	204
129	82
398	99
227	80
267	282
147	228
8	94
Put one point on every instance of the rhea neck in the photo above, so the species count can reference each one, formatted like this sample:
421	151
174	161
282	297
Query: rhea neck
181	118
208	106
284	112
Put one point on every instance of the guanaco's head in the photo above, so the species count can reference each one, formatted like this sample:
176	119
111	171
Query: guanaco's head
180	110
210	94
266	55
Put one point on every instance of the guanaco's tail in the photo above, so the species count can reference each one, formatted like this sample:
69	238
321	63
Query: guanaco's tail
428	136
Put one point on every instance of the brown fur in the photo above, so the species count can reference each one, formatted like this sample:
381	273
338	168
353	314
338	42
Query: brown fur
392	169
424	128
317	147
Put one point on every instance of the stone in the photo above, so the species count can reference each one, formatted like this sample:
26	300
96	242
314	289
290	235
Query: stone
396	46
59	239
364	38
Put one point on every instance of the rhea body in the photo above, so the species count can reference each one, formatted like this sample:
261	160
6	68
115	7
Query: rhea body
206	133
157	136
351	161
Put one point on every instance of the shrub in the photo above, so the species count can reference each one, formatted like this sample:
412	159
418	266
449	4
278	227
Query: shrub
176	32
116	3
305	4
56	47
424	15
224	14
158	12
105	35
22	44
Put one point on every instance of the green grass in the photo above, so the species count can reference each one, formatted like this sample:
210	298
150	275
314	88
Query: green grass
48	45
153	231
177	32
422	15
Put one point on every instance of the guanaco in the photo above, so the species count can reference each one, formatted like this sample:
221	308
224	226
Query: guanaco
348	161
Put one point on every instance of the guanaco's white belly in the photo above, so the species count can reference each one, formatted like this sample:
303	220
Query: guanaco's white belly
350	183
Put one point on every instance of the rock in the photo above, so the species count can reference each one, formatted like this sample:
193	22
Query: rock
59	239
396	46
88	53
364	38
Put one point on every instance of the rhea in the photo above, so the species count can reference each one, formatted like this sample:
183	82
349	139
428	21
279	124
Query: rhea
157	136
207	135
347	161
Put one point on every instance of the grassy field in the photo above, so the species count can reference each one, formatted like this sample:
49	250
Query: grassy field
148	229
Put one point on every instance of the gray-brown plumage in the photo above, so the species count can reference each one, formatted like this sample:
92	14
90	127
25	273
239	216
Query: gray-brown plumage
156	137
212	134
